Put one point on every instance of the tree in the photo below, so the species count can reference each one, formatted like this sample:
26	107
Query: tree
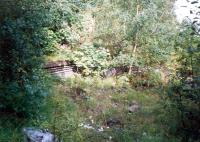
137	28
24	27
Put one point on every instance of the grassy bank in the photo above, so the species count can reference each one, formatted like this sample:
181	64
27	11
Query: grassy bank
95	110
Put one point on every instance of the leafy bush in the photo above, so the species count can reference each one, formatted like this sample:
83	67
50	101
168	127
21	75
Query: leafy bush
27	32
184	90
91	59
68	36
24	101
145	79
123	60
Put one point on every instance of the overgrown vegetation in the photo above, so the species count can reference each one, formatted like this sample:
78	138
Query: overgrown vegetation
183	91
137	29
138	71
28	31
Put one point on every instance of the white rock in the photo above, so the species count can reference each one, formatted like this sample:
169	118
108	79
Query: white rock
38	135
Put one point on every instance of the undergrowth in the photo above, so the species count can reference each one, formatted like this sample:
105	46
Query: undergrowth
101	104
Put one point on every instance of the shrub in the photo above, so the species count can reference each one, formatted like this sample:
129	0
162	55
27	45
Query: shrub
184	89
91	59
123	60
27	32
145	79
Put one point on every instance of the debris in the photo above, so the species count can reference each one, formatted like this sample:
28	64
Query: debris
87	126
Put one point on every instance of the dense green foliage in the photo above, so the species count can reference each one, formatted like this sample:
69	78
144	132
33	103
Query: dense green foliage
27	30
138	39
184	89
91	59
137	28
